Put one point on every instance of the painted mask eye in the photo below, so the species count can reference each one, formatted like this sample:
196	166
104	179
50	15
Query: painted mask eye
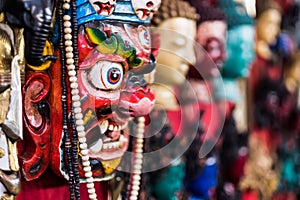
106	75
144	37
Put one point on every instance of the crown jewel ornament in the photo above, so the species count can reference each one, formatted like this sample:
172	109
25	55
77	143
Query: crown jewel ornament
134	11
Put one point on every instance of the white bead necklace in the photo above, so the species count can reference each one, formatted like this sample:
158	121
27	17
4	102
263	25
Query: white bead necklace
77	104
135	177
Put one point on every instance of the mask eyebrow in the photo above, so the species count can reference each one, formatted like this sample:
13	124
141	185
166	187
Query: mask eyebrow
113	44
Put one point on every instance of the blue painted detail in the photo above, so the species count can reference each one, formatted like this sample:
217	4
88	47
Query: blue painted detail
123	12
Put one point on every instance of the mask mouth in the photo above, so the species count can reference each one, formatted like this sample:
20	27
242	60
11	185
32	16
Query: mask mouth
119	115
106	140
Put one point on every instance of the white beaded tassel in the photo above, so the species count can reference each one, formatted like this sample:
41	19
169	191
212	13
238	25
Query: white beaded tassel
137	160
77	104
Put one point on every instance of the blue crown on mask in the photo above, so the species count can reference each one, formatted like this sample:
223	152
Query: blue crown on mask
123	11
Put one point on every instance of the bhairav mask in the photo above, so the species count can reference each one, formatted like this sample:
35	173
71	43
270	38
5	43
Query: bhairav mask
96	87
111	49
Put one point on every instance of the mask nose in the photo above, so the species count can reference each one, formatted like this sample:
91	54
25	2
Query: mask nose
137	97
190	55
138	102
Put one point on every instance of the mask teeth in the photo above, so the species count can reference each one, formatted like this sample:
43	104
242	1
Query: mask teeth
111	145
96	148
104	126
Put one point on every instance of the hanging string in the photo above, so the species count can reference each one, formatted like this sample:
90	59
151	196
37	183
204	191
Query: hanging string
71	56
75	158
66	136
135	177
75	35
74	132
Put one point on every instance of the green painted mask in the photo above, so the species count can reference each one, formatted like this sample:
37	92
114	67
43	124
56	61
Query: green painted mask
240	51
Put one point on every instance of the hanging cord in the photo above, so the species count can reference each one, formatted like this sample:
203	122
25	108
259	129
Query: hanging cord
71	55
66	136
135	177
74	132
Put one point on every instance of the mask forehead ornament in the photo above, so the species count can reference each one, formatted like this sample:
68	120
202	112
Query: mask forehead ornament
145	8
103	7
122	10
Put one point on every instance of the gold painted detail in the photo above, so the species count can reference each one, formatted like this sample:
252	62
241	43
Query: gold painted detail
13	155
6	196
2	153
4	105
110	165
48	50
